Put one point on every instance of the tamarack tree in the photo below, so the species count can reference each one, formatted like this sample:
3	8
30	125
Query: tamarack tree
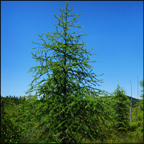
63	111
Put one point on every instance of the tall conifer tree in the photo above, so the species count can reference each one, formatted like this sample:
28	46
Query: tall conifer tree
60	116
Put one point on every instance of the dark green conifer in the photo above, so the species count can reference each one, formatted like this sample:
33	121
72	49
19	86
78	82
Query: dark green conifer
122	104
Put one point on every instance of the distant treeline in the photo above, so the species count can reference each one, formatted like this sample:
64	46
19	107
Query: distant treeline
12	99
21	100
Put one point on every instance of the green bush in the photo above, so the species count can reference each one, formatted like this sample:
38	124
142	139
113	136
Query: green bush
10	133
135	125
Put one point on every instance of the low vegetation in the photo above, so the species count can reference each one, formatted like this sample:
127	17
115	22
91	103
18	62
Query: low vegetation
134	134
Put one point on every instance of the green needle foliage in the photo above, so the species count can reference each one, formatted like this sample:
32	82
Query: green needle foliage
63	112
121	109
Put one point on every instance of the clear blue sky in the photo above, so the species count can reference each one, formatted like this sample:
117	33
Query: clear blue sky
114	31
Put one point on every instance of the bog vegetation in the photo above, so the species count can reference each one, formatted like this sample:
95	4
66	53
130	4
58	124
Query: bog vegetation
63	115
11	131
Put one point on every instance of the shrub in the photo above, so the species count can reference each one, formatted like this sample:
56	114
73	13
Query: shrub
10	133
135	125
